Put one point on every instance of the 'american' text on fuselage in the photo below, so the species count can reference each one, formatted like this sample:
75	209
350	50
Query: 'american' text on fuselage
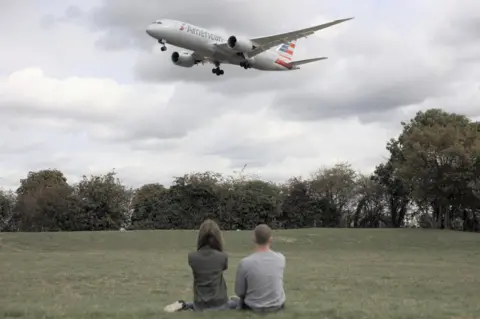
205	34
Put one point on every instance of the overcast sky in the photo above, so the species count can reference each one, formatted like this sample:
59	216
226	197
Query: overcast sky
83	88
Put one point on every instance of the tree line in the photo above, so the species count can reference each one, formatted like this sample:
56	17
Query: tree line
431	179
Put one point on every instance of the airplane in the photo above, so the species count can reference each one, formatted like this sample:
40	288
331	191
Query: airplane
270	53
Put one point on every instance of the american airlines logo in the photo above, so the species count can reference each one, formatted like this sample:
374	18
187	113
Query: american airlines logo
203	33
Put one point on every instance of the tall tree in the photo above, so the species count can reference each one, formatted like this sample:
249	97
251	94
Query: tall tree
437	149
396	192
193	198
43	202
104	203
7	205
254	202
150	207
371	204
337	186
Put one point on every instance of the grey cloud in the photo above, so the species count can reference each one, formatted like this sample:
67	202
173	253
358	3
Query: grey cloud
73	12
241	147
170	120
460	24
189	108
47	21
131	18
376	91
255	154
155	144
461	33
180	116
73	15
154	68
10	142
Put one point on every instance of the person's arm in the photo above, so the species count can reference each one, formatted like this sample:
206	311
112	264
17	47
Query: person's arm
241	282
190	257
225	266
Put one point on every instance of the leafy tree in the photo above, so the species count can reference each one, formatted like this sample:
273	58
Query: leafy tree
337	186
150	207
251	202
104	203
303	208
43	202
396	192
298	208
193	198
7	205
436	150
371	204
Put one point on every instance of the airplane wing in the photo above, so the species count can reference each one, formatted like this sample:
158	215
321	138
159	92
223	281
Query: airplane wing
198	57
264	43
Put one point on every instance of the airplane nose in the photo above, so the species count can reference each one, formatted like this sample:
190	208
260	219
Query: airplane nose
150	30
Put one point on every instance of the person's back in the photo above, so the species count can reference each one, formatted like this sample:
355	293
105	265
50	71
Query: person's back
259	281
208	263
209	287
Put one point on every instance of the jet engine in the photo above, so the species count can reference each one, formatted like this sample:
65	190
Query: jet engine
240	44
185	59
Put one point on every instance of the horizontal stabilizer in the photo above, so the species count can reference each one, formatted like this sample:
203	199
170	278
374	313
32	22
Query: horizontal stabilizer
297	63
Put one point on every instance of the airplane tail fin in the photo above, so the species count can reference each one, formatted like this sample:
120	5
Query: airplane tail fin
295	64
287	50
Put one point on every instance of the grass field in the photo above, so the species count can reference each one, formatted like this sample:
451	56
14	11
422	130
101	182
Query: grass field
331	273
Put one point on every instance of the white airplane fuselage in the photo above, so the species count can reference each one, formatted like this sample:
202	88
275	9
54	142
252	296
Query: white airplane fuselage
203	42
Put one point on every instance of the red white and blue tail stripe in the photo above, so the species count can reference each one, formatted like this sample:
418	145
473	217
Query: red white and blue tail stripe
285	54
286	50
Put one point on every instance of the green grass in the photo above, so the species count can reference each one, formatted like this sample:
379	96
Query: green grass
331	273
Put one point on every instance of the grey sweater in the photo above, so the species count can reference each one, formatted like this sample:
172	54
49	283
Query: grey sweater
259	281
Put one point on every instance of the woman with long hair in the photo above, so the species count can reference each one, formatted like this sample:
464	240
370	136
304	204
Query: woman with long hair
208	263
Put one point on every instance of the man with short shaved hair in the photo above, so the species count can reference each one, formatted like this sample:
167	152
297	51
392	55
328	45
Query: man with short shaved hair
259	280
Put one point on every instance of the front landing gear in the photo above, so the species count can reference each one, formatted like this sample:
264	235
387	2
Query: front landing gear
164	47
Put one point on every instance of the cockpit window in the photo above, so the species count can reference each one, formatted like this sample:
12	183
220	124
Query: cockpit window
158	22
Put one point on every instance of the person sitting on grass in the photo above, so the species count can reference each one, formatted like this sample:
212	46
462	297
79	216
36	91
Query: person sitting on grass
208	263
259	279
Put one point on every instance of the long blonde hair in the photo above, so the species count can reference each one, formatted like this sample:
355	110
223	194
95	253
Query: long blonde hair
210	234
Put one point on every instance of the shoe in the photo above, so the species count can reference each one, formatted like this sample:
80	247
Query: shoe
174	307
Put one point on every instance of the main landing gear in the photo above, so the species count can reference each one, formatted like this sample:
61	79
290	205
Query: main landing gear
245	65
164	47
217	70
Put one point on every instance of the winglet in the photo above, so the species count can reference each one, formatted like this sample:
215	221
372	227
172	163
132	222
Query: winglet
342	20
